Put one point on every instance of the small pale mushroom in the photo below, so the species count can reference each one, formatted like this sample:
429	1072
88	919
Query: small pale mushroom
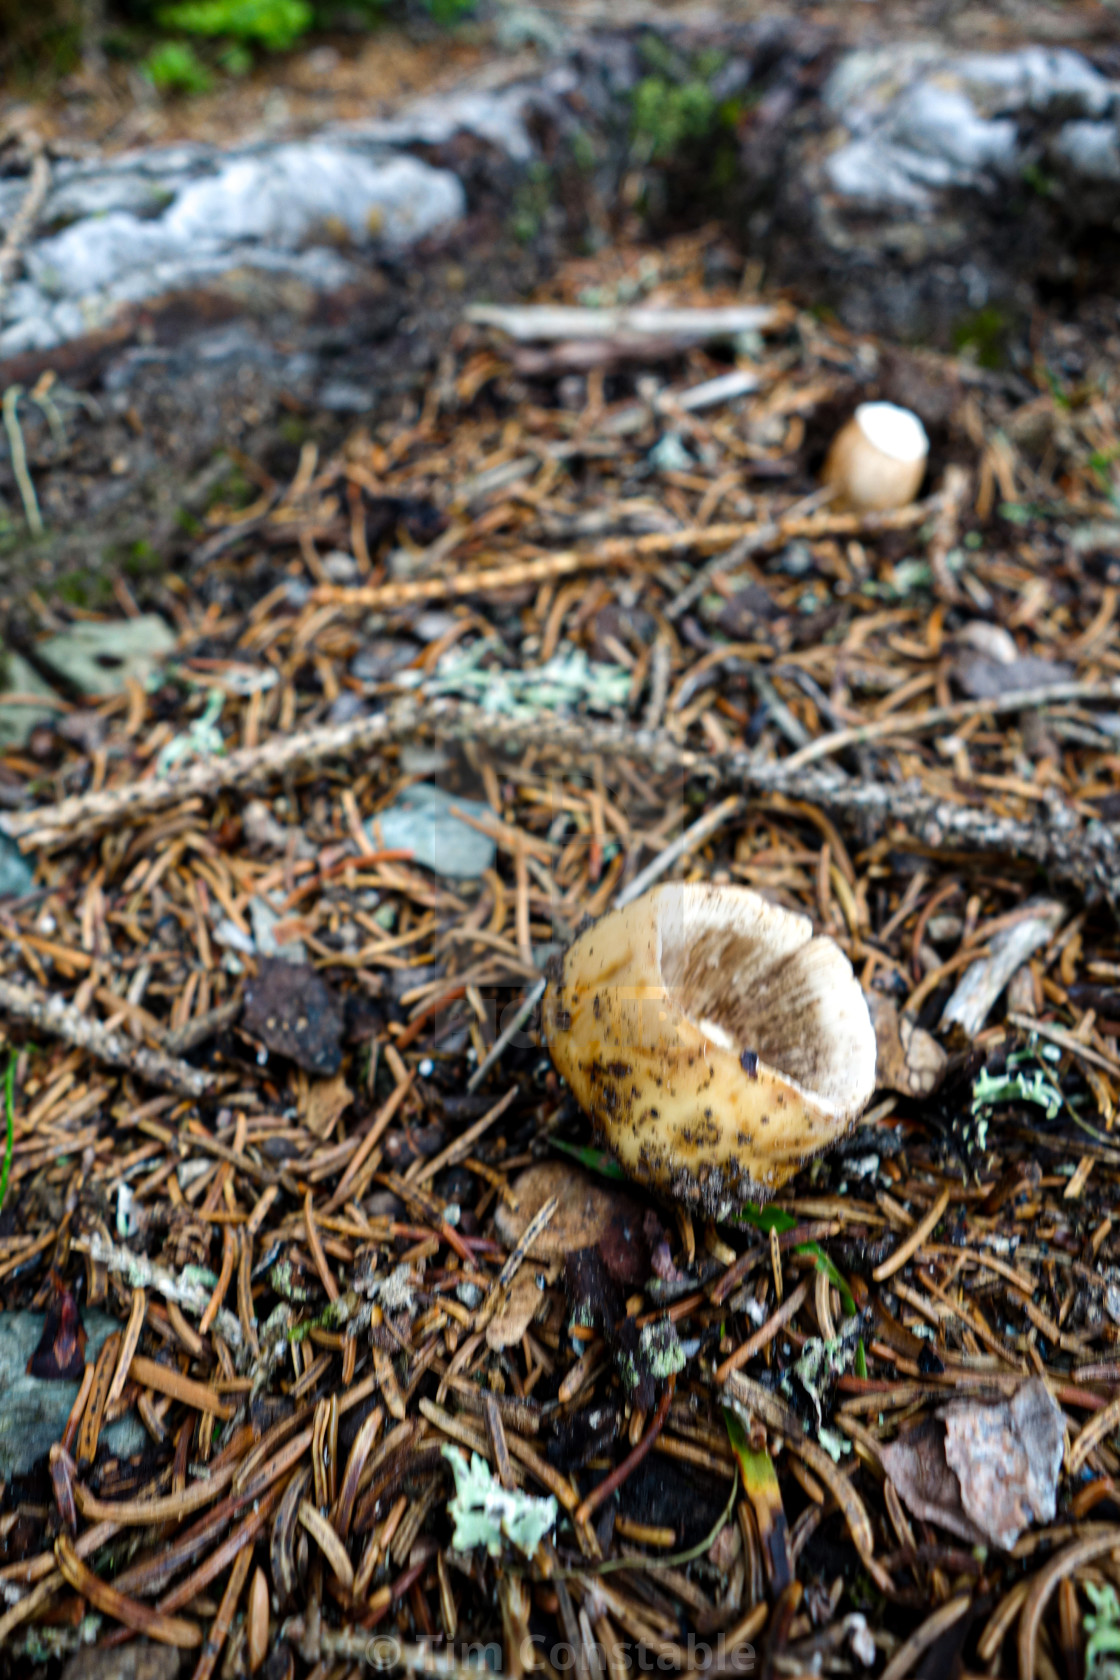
877	460
714	1041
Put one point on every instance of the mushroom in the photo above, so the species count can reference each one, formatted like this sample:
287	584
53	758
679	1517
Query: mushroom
714	1041
878	459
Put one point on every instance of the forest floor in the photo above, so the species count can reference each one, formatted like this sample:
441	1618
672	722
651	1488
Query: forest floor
273	1113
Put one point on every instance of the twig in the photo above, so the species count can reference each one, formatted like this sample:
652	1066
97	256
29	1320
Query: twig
945	533
695	835
611	1484
622	551
22	223
20	470
538	323
916	723
141	1273
51	1014
764	537
1085	855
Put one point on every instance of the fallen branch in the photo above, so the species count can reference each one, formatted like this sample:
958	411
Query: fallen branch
625	551
53	1015
541	323
917	723
141	1273
1083	855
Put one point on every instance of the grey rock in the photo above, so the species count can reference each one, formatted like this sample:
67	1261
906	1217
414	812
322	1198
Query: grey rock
919	120
130	229
34	1413
931	183
421	821
99	657
494	116
16	874
341	396
1090	150
18	676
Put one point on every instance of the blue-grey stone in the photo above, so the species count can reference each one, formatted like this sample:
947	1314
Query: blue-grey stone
33	1413
422	822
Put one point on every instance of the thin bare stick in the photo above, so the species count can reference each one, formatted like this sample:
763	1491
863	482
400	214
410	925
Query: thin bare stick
622	551
51	1014
917	723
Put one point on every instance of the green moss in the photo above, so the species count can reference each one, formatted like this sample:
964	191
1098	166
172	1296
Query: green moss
294	430
1038	181
175	67
141	560
84	588
666	115
583	152
531	203
984	334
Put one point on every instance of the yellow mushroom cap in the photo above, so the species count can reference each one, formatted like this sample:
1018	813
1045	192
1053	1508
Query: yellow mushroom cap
714	1041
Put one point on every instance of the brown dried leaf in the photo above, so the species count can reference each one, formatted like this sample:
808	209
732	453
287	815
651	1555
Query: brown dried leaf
588	1215
908	1058
61	1350
524	1299
291	1010
326	1099
983	1471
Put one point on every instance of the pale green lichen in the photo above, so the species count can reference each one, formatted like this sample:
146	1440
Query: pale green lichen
485	1513
661	1353
568	679
820	1364
1033	1087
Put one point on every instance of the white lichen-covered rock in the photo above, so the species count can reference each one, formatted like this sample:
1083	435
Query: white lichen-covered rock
123	231
914	120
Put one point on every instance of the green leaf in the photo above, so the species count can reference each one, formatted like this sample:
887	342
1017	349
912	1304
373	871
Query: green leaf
276	24
756	1468
825	1265
175	67
595	1159
765	1219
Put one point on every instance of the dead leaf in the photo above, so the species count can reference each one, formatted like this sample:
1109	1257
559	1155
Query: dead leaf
991	641
61	1349
588	1215
324	1101
291	1010
983	1471
524	1299
982	982
986	679
908	1059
